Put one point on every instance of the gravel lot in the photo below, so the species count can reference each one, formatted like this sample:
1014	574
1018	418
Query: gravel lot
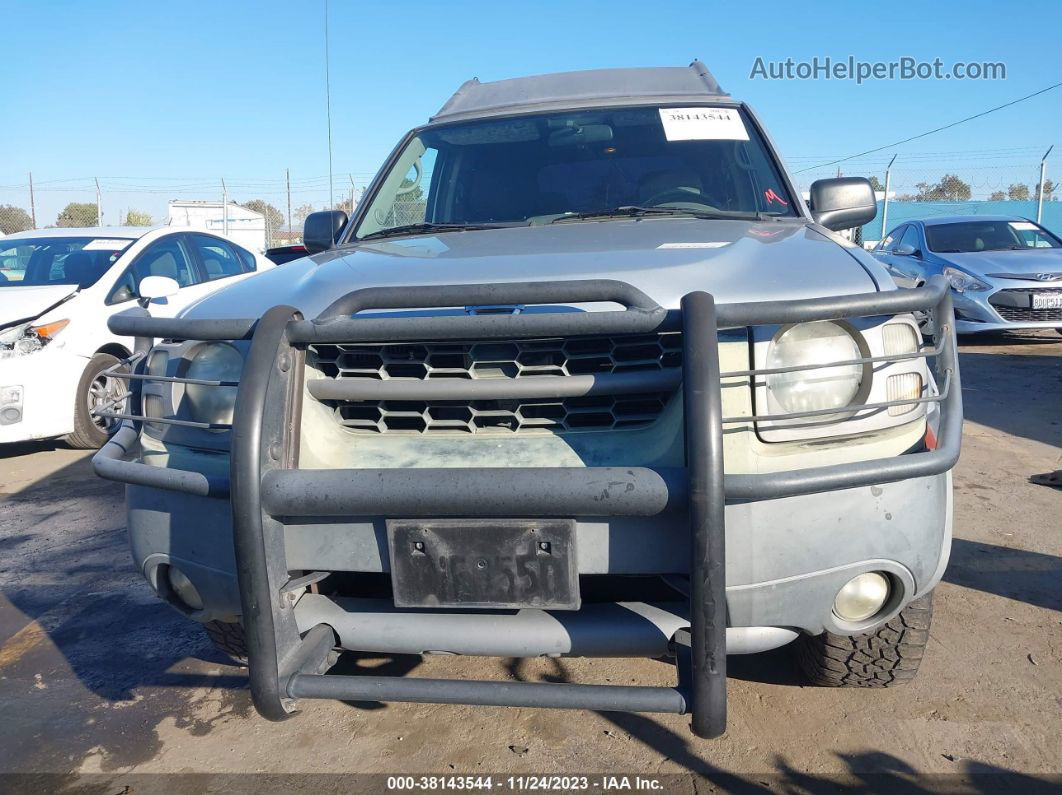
99	677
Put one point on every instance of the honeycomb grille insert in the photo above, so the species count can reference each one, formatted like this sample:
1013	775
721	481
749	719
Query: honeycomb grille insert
494	360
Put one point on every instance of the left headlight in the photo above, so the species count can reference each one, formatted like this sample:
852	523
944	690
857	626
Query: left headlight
821	342
217	361
962	282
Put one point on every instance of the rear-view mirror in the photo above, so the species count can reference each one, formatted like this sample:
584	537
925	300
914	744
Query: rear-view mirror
321	229
842	203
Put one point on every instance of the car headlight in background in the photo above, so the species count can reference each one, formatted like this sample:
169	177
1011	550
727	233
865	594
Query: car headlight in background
821	342
962	282
26	338
216	361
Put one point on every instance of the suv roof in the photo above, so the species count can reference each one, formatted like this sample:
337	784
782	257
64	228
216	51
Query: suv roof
586	89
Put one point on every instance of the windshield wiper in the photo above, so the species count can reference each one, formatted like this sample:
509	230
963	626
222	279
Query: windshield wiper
414	229
634	211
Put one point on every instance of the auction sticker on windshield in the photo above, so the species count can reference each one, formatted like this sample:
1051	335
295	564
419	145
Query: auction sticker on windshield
703	124
106	244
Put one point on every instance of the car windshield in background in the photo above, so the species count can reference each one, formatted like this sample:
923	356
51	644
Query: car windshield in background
537	169
41	261
973	236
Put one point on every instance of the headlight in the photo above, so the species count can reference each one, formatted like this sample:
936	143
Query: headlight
820	342
217	361
25	338
962	282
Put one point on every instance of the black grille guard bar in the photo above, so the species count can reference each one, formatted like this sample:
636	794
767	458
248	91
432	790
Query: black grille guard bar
265	484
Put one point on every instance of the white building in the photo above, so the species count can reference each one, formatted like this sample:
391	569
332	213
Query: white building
246	227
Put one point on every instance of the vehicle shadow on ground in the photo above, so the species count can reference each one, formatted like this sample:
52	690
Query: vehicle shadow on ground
1031	577
869	770
1016	393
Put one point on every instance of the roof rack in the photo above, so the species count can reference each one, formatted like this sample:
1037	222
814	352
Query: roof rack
586	89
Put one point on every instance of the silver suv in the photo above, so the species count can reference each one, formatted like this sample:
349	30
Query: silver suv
582	375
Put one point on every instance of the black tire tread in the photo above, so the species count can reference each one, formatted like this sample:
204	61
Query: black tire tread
229	639
887	657
86	436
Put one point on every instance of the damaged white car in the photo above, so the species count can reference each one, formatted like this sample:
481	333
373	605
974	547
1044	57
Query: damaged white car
59	286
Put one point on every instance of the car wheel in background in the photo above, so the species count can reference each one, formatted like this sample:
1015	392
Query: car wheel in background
95	390
887	657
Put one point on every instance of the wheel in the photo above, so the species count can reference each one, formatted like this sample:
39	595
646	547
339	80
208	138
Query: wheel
887	657
95	390
229	639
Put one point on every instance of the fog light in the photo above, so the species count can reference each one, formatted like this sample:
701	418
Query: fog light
184	589
862	596
906	386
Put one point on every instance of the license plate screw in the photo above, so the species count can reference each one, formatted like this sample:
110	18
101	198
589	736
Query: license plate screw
544	546
418	546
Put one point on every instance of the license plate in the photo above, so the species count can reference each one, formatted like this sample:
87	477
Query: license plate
1047	301
486	563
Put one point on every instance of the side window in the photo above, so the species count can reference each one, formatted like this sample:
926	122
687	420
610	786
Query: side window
250	264
167	257
910	238
893	240
218	257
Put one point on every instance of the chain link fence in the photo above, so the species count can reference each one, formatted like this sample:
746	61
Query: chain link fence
265	212
271	211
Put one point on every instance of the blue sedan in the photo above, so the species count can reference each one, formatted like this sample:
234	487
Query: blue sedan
1005	272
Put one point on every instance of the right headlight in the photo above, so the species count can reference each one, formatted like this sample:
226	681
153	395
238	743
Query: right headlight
821	342
216	361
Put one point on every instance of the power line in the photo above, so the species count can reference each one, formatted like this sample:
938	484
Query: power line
938	129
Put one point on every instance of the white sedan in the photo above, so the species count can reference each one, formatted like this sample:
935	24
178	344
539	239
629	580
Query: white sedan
58	287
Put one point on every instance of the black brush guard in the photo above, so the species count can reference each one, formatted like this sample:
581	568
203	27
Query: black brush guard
265	482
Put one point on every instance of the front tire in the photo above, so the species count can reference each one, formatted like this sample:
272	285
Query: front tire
94	390
887	657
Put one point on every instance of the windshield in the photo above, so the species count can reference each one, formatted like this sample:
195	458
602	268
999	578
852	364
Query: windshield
972	236
543	168
40	261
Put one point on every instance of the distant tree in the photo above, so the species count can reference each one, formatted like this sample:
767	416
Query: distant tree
78	214
950	188
997	196
875	184
298	215
14	219
138	218
1049	189
274	218
343	205
1018	192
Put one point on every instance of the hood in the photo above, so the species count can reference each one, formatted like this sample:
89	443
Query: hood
18	304
665	258
1013	264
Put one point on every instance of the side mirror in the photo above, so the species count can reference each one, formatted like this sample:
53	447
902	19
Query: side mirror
320	230
905	250
157	287
843	203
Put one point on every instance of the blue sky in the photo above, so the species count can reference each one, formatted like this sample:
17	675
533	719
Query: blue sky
161	100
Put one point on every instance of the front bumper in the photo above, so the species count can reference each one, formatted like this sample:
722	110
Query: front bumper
290	649
1006	307
49	379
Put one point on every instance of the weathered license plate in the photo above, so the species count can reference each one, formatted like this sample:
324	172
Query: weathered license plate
488	563
1047	301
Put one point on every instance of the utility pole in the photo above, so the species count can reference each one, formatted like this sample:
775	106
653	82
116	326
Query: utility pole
351	193
1043	173
99	204
224	208
885	201
328	109
33	205
287	178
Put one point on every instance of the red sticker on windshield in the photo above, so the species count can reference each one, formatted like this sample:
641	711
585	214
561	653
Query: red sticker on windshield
771	196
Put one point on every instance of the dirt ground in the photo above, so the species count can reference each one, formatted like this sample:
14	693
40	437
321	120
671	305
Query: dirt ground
101	683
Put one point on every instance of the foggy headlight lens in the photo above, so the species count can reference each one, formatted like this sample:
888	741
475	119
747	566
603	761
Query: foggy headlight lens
862	596
821	342
213	362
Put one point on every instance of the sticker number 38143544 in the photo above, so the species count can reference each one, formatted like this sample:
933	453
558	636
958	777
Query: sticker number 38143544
703	124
